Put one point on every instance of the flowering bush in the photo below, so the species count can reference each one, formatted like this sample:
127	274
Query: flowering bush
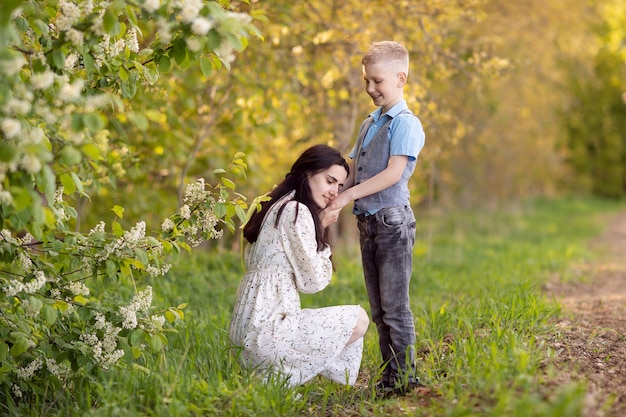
65	67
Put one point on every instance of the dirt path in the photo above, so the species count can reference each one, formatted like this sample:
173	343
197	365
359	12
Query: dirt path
592	342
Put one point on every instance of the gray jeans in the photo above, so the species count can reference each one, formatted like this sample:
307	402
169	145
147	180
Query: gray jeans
387	239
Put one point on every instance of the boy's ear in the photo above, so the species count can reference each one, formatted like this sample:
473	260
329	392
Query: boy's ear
401	79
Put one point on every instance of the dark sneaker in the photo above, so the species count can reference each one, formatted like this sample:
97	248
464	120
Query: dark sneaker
387	389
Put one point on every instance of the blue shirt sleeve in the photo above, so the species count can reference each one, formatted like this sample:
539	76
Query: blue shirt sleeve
406	136
352	153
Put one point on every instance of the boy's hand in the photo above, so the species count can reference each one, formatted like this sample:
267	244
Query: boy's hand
329	215
339	202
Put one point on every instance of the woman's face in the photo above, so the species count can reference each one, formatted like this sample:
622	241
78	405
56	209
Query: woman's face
325	185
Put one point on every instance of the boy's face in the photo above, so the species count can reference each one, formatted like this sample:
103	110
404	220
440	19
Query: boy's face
384	82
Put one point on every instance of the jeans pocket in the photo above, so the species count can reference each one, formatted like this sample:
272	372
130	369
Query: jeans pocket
392	217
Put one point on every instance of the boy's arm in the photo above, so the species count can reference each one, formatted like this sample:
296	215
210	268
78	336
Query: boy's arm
349	182
384	179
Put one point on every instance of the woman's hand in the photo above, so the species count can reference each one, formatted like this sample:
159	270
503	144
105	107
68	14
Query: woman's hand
329	215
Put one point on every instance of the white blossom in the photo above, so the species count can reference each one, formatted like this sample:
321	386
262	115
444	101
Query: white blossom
24	261
5	197
16	390
71	91
70	13
30	163
98	228
70	61
78	288
167	225
190	10
195	192
132	41
58	370
36	135
201	26
11	128
128	241
12	66
76	37
193	43
185	212
15	286
104	350
153	271
151	5
141	302
28	371
165	30
16	106
159	321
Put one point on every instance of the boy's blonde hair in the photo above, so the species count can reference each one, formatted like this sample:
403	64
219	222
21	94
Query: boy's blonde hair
387	51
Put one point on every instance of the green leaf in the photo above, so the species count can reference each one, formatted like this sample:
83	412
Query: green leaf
111	269
241	213
20	346
206	66
142	256
110	23
133	262
170	316
81	300
90	66
7	152
94	122
61	305
46	183
212	40
123	72
139	120
220	210
118	210
70	155
136	338
78	183
58	58
93	152
50	314
21	23
4	351
151	74
165	64
156	344
35	303
228	183
40	27
129	88
68	184
77	122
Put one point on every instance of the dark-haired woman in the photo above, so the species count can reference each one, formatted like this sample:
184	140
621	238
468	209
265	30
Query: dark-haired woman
288	253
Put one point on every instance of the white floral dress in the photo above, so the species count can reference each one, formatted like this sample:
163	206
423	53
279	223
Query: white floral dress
268	323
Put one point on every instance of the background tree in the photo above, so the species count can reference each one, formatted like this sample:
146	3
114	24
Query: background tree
595	115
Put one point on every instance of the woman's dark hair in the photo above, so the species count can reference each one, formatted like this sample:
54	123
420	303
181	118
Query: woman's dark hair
312	161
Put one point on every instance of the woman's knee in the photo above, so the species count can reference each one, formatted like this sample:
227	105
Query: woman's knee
362	322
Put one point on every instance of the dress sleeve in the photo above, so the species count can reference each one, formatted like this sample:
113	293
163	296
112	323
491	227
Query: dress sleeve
312	269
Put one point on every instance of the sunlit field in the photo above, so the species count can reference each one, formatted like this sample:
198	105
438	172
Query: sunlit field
480	316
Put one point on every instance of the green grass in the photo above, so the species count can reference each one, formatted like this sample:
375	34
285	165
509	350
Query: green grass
480	316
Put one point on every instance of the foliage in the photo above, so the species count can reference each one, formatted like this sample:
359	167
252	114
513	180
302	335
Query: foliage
595	117
69	69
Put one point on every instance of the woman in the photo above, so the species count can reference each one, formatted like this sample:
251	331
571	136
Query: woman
288	252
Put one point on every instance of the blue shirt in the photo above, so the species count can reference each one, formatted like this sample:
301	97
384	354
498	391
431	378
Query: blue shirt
401	128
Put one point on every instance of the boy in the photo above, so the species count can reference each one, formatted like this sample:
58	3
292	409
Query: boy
383	160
